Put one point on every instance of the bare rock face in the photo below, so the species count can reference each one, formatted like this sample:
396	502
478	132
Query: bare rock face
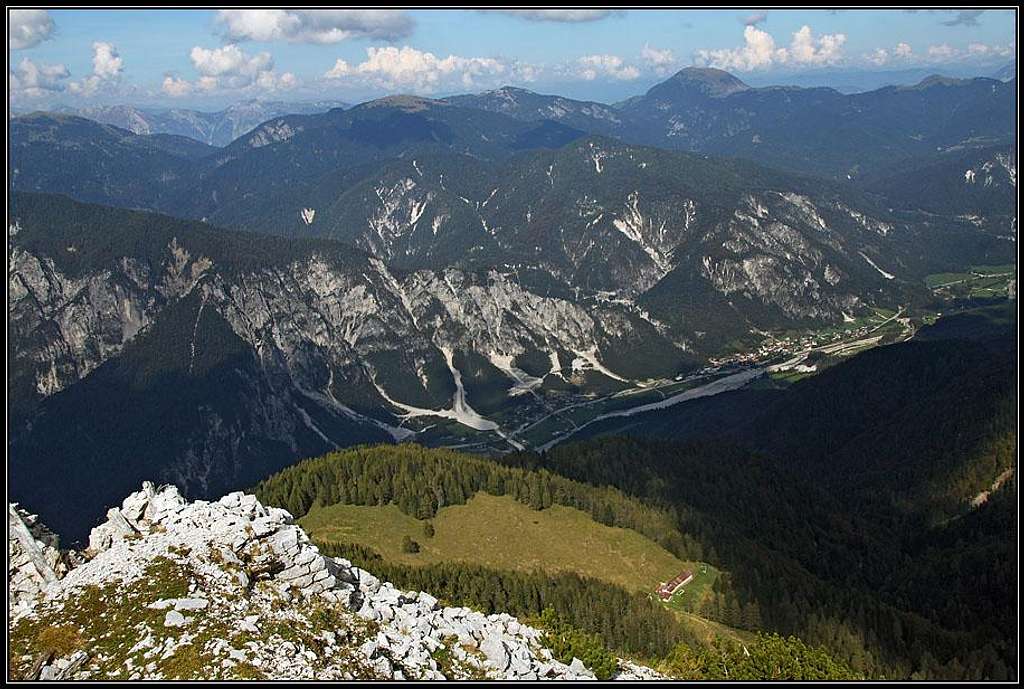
232	589
88	319
34	560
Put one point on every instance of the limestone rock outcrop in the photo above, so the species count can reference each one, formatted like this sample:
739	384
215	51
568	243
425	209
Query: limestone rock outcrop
235	589
33	557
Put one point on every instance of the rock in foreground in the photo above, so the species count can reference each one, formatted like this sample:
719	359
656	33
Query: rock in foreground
234	590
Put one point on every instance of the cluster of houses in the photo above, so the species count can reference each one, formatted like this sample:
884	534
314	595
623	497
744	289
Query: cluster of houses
668	589
771	347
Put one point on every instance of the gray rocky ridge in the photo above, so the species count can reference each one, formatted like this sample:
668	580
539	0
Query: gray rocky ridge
254	598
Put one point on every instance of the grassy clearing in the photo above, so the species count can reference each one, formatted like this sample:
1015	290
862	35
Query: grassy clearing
709	630
882	314
501	533
995	270
693	594
936	280
791	376
978	281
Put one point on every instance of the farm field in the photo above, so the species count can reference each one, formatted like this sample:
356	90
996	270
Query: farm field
980	281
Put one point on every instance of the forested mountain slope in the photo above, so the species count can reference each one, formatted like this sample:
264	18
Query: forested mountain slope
866	477
893	533
811	130
422	482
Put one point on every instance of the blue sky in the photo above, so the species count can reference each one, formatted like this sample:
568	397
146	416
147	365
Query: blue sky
205	58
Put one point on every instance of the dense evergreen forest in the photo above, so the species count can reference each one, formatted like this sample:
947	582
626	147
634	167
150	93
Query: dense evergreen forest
849	525
421	480
842	507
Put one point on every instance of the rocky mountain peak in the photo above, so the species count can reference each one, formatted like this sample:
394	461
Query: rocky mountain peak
34	559
403	102
939	80
708	81
511	89
235	589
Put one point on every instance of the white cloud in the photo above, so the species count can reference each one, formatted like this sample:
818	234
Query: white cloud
176	87
229	60
806	50
28	28
314	26
419	71
943	51
879	57
566	16
31	80
107	66
523	71
270	81
759	51
229	68
208	84
85	87
984	50
106	62
656	57
591	67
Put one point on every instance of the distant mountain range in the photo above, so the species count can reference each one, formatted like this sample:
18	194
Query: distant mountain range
810	131
425	184
816	130
515	180
1007	72
860	80
212	128
458	270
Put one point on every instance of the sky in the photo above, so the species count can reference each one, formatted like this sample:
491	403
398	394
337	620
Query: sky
208	58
